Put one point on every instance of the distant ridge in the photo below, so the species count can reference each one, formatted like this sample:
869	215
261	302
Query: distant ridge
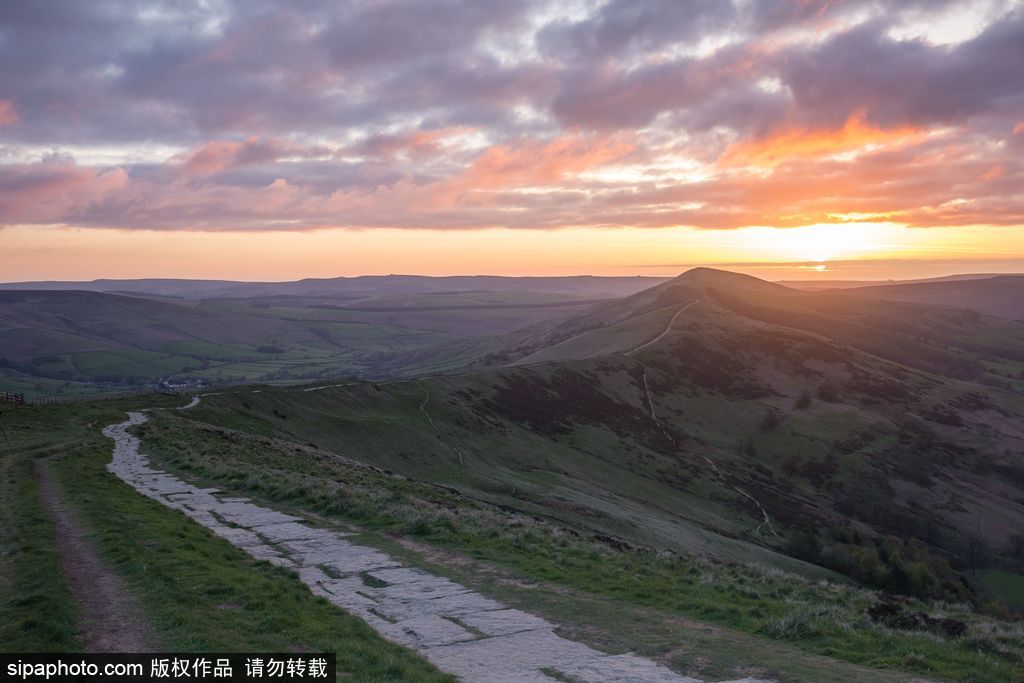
999	295
851	284
583	286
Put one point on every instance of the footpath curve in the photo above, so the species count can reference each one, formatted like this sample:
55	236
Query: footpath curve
461	632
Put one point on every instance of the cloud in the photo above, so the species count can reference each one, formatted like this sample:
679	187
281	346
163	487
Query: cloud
8	115
461	114
50	192
789	142
906	82
219	155
543	163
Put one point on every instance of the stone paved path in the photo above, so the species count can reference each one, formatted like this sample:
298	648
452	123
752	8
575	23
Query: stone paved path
464	633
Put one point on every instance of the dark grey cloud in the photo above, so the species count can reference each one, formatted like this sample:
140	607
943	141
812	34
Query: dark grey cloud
906	82
623	27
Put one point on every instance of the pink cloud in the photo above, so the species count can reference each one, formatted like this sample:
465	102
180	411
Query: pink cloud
543	162
221	155
8	115
416	143
49	193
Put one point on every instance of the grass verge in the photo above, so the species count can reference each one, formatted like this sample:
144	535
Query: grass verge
36	613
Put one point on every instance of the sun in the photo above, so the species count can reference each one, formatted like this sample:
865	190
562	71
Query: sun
818	243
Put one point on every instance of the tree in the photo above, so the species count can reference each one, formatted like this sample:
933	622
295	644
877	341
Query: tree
804	400
770	421
975	553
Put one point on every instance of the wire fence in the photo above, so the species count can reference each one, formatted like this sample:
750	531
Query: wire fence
65	399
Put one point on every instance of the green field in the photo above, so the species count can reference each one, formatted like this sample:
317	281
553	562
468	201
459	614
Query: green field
36	387
1008	586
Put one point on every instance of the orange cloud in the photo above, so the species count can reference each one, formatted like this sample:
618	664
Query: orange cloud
856	133
8	116
542	163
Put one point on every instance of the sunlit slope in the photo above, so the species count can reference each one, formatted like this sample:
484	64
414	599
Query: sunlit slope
609	327
1000	295
936	336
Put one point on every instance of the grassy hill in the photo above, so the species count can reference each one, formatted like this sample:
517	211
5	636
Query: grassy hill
730	434
998	295
119	340
77	341
56	341
947	340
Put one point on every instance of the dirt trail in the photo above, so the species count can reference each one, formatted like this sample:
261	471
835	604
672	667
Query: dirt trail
110	619
440	436
668	328
725	480
767	522
331	386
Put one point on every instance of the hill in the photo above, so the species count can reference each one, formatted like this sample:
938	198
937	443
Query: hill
949	341
401	326
999	295
56	341
830	480
851	284
716	414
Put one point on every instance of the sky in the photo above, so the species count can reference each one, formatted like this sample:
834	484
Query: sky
279	139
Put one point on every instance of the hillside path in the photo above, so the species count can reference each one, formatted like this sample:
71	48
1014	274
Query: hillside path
461	632
109	617
668	328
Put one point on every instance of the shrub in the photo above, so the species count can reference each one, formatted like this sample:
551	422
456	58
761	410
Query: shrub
828	392
269	348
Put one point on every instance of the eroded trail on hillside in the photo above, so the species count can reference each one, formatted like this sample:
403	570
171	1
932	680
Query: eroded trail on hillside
664	333
460	631
437	430
766	520
109	617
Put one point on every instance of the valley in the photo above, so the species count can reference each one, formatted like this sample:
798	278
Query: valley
173	331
